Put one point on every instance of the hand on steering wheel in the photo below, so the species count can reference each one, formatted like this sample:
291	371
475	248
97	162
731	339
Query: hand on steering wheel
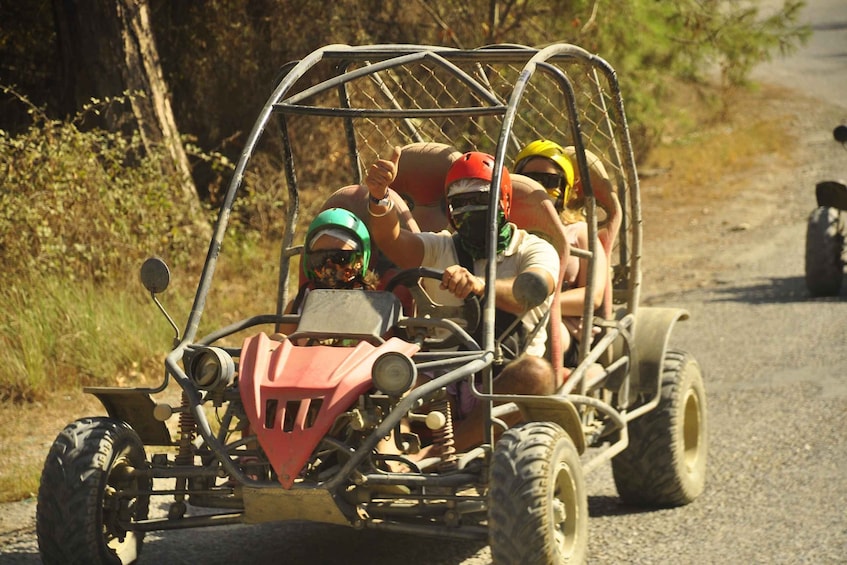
467	315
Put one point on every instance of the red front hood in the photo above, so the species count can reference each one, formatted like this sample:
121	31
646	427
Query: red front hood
292	394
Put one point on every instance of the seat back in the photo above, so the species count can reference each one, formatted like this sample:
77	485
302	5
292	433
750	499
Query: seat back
420	179
533	211
609	221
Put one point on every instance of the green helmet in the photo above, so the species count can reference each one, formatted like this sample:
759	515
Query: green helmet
337	219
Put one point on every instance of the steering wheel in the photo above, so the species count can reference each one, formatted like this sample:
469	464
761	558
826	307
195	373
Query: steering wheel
466	315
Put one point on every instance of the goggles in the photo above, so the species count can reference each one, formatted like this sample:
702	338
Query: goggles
467	202
339	257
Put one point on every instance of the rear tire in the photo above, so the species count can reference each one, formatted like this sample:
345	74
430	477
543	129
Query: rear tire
824	246
538	507
81	515
665	462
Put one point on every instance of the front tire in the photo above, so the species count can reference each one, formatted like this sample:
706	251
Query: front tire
82	513
824	246
665	462
538	507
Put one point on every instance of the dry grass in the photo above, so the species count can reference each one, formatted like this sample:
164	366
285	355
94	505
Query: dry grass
27	432
706	165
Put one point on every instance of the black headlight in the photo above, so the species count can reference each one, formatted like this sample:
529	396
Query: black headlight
393	373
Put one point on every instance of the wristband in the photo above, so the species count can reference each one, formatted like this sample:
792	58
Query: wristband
384	201
387	210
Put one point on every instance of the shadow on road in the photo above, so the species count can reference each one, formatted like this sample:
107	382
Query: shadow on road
603	506
775	290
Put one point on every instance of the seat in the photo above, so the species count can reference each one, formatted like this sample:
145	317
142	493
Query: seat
420	179
355	199
533	211
609	223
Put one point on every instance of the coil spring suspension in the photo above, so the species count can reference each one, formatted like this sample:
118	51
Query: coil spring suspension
444	437
187	433
184	456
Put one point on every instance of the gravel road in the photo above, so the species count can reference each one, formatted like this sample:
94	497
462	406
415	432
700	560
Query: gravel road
775	367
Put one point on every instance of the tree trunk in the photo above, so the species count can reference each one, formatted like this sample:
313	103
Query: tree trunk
107	50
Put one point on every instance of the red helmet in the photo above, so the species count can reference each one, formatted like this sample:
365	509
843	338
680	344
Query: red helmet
477	165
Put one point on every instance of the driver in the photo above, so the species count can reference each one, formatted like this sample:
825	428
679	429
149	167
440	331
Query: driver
466	188
336	255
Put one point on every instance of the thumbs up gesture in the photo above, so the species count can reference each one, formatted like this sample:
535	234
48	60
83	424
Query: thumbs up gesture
381	174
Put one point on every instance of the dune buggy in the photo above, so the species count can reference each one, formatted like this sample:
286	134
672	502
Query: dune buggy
289	428
825	232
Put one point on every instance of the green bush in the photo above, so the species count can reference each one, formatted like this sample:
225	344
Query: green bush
79	212
56	335
82	205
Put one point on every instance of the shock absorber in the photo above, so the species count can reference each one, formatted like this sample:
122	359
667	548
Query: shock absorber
187	432
443	437
184	456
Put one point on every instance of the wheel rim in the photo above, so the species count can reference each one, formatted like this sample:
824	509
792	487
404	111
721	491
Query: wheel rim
119	510
565	510
691	431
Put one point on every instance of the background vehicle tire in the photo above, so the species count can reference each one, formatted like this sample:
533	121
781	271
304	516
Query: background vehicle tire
538	507
824	246
79	507
665	462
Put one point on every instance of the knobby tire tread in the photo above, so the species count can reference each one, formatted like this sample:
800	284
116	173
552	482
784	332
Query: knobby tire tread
824	247
520	482
69	510
649	472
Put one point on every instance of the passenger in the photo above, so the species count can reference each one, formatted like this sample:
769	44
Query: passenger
547	163
466	186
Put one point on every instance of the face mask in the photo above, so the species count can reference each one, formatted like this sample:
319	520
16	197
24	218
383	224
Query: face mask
473	227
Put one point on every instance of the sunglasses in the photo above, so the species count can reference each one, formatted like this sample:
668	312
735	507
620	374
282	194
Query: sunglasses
550	181
339	257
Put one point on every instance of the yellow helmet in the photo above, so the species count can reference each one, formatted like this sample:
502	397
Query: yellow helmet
556	153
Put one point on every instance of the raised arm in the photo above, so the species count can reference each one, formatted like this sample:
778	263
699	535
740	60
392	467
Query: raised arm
402	247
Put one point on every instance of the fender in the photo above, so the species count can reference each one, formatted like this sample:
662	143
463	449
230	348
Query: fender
555	409
831	194
652	331
135	407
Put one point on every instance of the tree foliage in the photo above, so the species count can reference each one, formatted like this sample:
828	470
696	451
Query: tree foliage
81	205
221	56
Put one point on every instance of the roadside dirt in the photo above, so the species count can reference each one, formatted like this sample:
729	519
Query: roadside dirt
712	193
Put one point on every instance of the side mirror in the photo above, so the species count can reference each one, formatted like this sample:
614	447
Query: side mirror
530	289
155	275
840	134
